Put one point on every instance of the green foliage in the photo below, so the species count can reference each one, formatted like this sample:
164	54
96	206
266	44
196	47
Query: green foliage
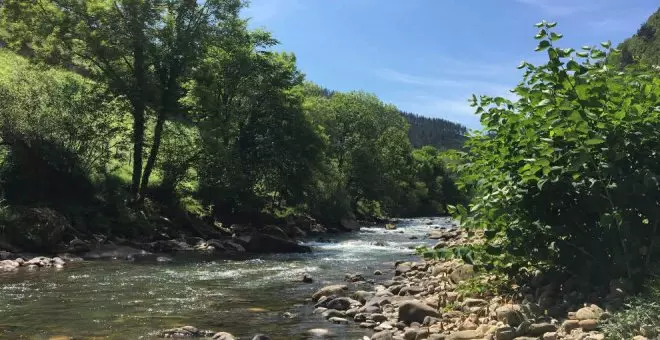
643	47
59	131
181	102
640	315
567	175
435	132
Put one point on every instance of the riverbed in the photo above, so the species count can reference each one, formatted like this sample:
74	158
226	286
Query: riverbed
243	296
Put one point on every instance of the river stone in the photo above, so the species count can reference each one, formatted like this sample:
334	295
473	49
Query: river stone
589	325
223	336
338	320
352	312
465	335
412	290
261	337
341	303
367	324
550	336
510	314
370	309
384	335
363	296
331	313
415	311
357	277
539	329
377	317
330	290
9	265
588	313
505	333
401	269
462	273
570	325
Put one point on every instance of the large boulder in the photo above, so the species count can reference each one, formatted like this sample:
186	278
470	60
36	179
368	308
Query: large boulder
415	311
9	265
349	224
37	229
263	243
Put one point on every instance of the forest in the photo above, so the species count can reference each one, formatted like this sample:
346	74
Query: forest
109	110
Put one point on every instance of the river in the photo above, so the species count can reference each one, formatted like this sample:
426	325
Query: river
257	294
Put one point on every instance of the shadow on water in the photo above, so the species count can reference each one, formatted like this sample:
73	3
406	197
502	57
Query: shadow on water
243	296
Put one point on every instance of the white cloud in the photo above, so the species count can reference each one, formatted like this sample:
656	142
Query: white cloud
410	79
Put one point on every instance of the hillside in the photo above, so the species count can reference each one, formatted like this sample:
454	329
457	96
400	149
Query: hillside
437	132
644	46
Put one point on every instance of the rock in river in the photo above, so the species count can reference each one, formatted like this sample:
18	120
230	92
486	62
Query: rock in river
330	290
262	243
415	311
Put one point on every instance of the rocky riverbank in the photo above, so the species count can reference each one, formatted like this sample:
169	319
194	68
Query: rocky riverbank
424	300
232	241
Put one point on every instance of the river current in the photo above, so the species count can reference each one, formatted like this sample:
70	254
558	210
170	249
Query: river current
255	294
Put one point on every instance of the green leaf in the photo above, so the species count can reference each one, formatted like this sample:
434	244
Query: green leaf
582	54
543	44
551	24
572	65
540	35
586	47
541	183
594	141
522	65
554	36
539	24
606	44
544	102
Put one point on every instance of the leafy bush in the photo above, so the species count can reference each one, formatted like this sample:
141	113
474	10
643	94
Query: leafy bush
58	129
567	175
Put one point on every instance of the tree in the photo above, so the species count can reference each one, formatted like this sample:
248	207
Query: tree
140	48
367	152
258	147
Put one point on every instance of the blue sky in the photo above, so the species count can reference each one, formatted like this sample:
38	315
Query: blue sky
429	56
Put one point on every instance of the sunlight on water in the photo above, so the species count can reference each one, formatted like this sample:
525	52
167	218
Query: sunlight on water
129	300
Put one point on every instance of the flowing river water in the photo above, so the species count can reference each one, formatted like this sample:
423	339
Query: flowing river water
257	294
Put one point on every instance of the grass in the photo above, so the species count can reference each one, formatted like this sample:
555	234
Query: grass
640	316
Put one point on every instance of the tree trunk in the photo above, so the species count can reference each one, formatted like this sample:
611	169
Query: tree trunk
138	144
153	153
138	99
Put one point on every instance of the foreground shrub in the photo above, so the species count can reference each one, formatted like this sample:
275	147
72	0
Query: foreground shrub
567	175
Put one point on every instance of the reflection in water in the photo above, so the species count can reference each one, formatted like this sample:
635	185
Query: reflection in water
130	300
